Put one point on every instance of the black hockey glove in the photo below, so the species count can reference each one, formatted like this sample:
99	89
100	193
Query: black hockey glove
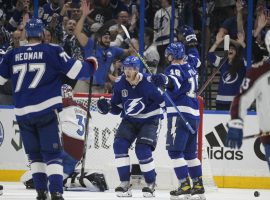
103	105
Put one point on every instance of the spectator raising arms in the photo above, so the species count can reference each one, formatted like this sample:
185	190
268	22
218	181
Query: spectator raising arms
231	73
100	49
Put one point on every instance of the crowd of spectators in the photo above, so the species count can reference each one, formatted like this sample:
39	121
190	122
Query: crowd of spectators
92	27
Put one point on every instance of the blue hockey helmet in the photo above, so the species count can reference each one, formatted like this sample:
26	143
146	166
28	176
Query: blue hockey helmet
132	61
34	28
176	50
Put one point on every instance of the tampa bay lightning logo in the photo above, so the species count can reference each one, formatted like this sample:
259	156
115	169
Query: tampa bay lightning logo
133	106
1	134
227	78
109	54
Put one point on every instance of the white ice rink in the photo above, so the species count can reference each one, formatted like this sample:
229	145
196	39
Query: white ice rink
16	191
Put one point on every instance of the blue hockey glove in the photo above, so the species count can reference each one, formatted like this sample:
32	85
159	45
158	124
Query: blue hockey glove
103	106
235	134
188	36
160	80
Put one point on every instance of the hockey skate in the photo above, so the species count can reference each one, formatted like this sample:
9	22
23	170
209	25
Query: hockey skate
149	190
57	196
42	195
183	192
197	191
124	189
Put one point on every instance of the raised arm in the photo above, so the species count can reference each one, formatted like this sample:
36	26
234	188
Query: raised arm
219	39
82	38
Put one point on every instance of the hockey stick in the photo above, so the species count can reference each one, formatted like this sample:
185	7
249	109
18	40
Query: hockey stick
165	93
224	60
88	116
256	135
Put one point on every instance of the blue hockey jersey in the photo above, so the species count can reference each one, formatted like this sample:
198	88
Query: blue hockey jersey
35	73
229	84
137	103
105	57
46	12
184	93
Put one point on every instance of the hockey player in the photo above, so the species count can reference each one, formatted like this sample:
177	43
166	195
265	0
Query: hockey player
72	122
35	70
255	86
180	80
140	104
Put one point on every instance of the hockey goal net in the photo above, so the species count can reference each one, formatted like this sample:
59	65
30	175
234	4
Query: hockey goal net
100	153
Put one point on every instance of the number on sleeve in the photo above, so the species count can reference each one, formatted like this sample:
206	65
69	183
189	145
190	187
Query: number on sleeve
245	84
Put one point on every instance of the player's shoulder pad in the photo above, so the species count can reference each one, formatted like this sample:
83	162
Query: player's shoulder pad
258	70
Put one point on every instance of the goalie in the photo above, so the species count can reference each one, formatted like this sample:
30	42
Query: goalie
72	121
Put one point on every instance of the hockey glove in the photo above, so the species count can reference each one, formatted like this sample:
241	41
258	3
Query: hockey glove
235	134
188	36
160	80
103	106
92	60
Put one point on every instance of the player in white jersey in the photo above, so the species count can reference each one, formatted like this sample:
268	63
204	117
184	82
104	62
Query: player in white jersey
35	70
255	86
72	122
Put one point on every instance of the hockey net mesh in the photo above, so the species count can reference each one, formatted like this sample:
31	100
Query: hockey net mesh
100	152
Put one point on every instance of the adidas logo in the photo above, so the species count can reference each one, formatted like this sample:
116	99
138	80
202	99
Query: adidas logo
216	149
29	49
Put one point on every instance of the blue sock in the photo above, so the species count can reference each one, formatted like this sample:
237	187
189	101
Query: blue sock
147	165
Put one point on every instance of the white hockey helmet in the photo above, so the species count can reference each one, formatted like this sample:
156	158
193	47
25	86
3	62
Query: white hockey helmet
66	91
267	40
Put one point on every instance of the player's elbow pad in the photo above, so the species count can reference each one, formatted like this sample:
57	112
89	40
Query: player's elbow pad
92	60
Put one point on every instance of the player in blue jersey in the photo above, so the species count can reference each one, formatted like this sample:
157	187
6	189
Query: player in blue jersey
140	104
34	70
180	80
72	121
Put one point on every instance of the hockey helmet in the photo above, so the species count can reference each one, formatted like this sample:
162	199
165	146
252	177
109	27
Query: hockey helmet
66	91
176	50
132	61
34	28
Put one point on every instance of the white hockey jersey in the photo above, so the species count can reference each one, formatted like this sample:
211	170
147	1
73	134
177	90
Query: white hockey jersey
255	86
72	120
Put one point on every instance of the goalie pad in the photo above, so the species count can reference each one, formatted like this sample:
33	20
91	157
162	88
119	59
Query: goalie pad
92	181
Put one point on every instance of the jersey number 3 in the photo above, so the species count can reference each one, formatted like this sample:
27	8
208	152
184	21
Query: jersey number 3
22	69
